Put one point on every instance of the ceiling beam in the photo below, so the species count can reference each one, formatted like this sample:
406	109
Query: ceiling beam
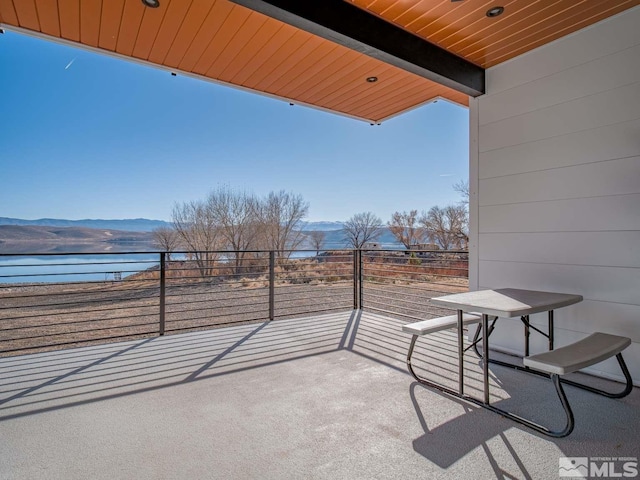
352	27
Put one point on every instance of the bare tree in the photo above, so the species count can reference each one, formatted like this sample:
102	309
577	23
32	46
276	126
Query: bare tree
236	216
166	239
462	187
460	217
447	227
435	226
317	238
281	214
458	225
198	232
404	226
242	224
362	228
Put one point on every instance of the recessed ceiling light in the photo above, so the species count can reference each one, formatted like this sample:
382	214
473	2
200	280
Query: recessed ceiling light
151	3
495	11
372	79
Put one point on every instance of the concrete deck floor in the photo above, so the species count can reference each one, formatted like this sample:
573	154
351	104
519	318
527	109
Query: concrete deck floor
318	397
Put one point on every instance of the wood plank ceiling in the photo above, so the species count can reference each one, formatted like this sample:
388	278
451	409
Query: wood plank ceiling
220	41
463	28
224	42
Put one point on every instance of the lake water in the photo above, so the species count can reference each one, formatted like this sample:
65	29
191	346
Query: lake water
72	268
83	267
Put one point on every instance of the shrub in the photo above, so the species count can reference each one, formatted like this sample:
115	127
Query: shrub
413	260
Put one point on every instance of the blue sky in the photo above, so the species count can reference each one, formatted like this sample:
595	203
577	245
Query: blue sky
84	135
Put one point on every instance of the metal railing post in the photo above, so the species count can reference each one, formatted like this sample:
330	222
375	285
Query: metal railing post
360	280
272	281
162	290
355	280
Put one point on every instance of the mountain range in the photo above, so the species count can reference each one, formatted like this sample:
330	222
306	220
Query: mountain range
46	239
128	225
21	233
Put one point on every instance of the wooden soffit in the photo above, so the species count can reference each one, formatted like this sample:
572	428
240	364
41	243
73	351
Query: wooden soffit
223	42
462	26
358	30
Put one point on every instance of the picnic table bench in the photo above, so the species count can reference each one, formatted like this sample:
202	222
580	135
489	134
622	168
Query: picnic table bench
555	363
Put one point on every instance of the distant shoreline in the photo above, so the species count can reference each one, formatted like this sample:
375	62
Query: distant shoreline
75	246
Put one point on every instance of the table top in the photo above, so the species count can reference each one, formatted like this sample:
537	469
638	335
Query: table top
507	302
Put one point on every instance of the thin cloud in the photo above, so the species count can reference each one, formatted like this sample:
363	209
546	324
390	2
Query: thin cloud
70	63
446	175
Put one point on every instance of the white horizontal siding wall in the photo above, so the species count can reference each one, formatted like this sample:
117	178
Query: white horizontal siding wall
555	183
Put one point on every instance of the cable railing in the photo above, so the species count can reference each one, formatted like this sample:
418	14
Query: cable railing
54	301
399	283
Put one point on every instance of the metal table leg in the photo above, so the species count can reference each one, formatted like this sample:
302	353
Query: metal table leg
485	351
485	404
460	354
527	333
